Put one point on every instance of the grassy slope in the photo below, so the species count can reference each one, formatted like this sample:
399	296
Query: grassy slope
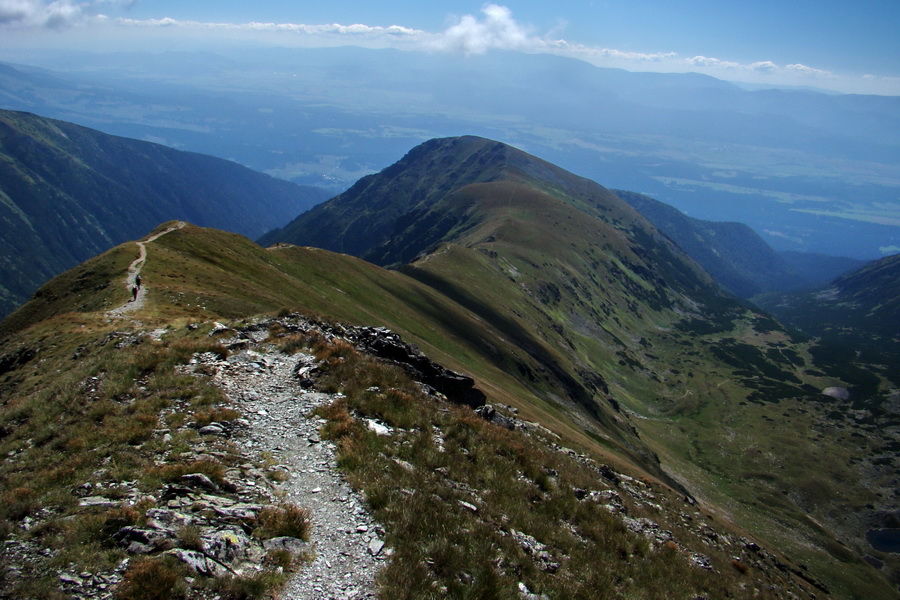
755	440
98	418
692	408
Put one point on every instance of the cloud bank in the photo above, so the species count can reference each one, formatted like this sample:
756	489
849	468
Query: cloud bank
495	28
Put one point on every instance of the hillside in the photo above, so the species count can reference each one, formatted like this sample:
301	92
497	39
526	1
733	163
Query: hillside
731	252
820	269
856	316
68	193
603	314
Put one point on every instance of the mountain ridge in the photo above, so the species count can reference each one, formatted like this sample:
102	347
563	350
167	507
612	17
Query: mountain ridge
69	192
731	252
605	300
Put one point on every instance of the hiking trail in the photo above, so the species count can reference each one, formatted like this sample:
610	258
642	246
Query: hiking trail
134	269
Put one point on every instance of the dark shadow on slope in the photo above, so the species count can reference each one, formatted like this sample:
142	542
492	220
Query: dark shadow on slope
515	334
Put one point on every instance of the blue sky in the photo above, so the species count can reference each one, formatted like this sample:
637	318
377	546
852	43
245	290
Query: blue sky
839	45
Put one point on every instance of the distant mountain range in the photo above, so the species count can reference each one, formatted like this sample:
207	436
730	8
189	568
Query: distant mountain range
561	301
807	171
68	193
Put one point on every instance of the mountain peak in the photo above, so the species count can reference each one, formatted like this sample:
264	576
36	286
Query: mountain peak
419	189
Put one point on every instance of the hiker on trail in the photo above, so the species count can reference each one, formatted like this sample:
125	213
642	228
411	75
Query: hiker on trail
137	281
134	292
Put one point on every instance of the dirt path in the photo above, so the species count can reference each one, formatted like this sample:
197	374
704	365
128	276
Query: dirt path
134	269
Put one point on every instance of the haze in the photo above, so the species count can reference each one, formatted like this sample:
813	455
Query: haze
324	94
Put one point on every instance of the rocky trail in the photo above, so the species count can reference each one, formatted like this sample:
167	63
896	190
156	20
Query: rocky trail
345	543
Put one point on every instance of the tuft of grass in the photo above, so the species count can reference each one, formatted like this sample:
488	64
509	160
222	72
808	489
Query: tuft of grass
249	587
18	503
189	537
153	579
218	414
285	519
174	471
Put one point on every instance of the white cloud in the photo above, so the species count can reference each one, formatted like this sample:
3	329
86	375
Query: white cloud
333	29
55	14
809	71
494	28
497	30
765	66
707	62
595	54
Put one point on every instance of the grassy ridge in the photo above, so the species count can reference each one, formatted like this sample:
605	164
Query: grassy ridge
535	315
68	192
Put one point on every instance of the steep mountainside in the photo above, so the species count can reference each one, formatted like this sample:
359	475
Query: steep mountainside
731	252
68	193
857	317
820	269
604	318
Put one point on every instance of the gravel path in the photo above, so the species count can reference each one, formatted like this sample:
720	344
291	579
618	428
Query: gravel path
134	269
348	550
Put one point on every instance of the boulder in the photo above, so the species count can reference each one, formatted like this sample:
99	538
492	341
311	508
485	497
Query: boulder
138	540
199	563
227	545
165	519
490	414
201	481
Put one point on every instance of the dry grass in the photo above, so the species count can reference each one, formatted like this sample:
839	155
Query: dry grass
283	520
153	579
93	423
450	489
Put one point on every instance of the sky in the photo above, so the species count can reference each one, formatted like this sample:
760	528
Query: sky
851	47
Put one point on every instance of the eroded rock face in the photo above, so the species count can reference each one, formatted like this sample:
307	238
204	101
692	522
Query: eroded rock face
385	344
